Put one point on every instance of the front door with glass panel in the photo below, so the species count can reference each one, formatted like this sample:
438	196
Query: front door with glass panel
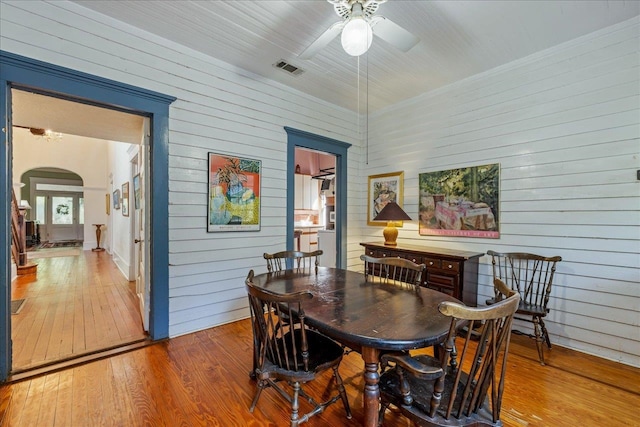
61	216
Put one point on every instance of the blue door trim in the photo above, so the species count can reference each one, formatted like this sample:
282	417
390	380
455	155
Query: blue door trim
300	138
27	73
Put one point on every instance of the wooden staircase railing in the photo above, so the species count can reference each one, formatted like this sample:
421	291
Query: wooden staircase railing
18	234
19	239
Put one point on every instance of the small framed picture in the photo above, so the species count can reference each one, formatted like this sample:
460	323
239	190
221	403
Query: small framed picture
125	199
384	188
116	199
108	200
136	191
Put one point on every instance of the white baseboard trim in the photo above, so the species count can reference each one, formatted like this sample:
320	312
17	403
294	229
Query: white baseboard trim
122	265
14	271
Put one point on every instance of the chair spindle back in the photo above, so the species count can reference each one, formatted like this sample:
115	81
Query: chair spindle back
398	271
302	262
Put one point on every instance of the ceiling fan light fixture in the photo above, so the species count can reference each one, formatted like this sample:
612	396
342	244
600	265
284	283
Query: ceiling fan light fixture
356	36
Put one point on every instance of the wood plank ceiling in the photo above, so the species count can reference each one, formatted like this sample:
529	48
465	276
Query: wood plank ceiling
458	39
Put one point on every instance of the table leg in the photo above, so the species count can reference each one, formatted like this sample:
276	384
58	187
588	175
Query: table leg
371	357
98	236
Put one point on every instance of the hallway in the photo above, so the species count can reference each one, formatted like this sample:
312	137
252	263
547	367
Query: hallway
77	303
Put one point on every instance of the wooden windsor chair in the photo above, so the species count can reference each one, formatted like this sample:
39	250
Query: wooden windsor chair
287	354
531	276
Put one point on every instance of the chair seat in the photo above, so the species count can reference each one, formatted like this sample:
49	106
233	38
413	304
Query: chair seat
324	353
524	308
421	391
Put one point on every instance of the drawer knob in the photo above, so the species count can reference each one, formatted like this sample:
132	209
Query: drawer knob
450	266
430	262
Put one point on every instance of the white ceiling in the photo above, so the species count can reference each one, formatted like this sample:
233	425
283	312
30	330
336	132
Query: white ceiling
31	110
458	39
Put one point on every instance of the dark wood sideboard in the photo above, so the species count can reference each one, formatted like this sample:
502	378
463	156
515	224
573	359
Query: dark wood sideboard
452	272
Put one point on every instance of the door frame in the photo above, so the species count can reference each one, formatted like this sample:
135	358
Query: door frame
300	138
38	76
77	227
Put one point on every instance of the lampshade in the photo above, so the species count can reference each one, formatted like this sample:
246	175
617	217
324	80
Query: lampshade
24	204
356	36
392	212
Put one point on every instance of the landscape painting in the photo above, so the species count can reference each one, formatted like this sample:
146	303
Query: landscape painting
460	202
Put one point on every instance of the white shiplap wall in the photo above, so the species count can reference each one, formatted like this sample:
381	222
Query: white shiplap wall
564	125
219	109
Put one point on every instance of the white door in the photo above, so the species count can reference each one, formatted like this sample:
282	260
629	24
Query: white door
65	216
143	285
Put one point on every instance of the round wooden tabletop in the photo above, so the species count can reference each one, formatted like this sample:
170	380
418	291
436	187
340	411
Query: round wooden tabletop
352	310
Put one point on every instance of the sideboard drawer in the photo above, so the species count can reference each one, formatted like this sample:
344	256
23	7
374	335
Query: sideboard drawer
442	280
414	259
450	266
432	262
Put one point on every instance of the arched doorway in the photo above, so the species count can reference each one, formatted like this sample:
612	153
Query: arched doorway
56	197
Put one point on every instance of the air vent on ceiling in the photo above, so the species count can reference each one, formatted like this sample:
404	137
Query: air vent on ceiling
291	69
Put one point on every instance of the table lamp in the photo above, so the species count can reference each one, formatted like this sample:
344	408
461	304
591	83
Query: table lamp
23	207
391	213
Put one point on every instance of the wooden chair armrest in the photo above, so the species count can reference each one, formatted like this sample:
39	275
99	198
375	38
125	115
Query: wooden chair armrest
416	367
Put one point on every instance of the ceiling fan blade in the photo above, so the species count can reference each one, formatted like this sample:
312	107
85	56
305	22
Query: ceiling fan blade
323	40
392	33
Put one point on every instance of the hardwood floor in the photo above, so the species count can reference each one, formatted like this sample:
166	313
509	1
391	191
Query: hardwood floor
201	379
77	303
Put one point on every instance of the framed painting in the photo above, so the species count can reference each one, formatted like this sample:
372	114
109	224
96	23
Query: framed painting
460	202
125	199
116	199
233	193
384	188
136	191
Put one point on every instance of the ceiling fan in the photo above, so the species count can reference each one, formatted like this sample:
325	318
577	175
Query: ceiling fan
357	27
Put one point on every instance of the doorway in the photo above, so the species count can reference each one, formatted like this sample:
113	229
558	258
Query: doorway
301	139
314	208
36	76
56	197
82	300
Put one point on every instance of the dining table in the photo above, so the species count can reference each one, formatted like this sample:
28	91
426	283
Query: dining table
367	316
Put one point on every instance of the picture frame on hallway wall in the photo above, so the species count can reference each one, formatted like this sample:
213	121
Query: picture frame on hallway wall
233	193
384	188
136	191
108	204
460	202
116	199
125	199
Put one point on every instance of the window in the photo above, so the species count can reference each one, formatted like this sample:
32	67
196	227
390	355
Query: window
81	210
61	210
41	209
